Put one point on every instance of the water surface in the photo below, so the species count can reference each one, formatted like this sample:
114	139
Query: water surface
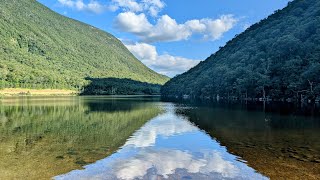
168	147
144	138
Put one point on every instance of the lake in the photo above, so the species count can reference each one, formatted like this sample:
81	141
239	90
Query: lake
136	137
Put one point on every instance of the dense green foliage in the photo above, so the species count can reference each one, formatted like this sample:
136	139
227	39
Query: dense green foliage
113	86
276	58
42	49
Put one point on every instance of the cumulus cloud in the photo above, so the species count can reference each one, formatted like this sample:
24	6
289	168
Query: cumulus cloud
133	19
196	26
92	6
152	7
164	64
167	29
67	3
215	28
130	22
127	5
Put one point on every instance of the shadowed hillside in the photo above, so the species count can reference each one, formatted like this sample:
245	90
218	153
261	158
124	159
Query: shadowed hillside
114	86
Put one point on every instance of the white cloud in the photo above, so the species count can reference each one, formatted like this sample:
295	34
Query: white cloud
164	64
173	65
217	27
167	29
133	19
92	6
96	7
152	7
196	26
127	5
130	22
67	3
143	51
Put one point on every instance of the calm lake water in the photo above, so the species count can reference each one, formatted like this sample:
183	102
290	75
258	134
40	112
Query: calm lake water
144	138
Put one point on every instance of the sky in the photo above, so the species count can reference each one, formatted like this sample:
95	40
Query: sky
169	36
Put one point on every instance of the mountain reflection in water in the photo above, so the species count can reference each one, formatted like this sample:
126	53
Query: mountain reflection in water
168	147
281	142
41	137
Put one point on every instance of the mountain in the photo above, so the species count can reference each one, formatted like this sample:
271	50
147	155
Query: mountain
42	49
277	58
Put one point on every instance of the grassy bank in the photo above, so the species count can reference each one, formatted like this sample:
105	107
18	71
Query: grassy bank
36	92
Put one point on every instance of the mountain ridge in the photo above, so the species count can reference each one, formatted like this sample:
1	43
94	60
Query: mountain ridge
43	49
277	58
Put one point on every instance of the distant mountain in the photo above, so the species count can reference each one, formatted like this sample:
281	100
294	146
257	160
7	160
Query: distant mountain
278	58
42	49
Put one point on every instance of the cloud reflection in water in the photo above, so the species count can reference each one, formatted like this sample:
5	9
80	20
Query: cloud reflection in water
168	147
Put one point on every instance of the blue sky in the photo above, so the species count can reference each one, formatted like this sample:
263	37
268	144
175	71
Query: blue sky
169	36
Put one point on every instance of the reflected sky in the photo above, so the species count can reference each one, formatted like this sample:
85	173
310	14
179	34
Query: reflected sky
168	147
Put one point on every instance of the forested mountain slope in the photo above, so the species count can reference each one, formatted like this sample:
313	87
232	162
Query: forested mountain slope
42	49
278	57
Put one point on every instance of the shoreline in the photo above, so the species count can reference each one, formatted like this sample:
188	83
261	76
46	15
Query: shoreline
23	92
266	100
16	92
